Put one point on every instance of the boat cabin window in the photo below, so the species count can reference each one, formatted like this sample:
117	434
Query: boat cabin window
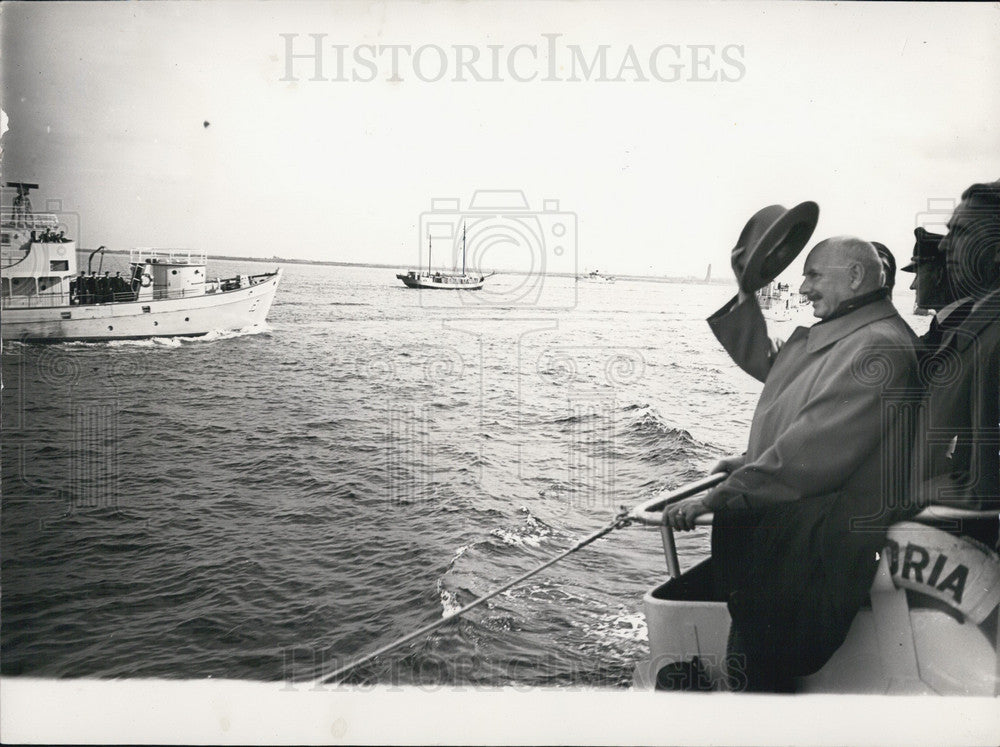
58	265
23	287
47	283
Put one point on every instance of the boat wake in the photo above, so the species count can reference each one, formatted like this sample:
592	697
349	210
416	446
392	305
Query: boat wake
172	342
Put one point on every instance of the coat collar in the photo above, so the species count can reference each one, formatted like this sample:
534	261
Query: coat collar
826	333
985	311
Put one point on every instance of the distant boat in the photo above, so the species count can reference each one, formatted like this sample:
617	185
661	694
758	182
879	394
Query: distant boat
166	293
708	274
777	301
437	280
595	276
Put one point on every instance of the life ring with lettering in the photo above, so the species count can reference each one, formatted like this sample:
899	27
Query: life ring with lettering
146	280
958	571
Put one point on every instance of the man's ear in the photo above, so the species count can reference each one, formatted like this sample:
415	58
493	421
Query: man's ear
857	275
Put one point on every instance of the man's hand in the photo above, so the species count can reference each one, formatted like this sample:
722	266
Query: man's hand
729	464
682	514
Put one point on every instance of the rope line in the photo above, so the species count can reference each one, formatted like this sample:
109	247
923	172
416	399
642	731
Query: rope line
622	519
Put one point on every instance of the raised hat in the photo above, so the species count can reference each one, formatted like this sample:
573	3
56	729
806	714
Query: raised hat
925	249
770	240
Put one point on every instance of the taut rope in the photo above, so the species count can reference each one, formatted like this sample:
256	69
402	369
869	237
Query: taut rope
622	519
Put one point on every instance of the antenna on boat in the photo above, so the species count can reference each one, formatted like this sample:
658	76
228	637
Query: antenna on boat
22	203
428	252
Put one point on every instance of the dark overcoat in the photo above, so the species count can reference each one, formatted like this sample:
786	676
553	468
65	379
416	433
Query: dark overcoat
798	526
957	460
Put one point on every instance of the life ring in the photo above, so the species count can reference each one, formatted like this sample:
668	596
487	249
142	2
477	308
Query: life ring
955	570
146	280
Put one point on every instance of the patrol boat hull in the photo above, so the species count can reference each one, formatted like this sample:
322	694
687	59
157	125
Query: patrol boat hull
186	316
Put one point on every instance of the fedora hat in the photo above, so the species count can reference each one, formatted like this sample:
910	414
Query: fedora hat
925	249
770	240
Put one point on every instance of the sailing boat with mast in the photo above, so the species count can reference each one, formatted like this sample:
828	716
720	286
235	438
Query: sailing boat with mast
442	280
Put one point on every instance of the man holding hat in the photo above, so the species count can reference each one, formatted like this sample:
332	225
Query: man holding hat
958	437
800	517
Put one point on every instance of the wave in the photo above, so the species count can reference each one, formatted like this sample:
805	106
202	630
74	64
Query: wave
449	600
530	532
169	342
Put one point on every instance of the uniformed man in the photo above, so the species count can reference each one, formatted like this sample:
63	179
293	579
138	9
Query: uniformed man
104	288
76	289
119	288
91	287
934	293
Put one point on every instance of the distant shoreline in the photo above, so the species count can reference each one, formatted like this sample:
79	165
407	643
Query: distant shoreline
399	268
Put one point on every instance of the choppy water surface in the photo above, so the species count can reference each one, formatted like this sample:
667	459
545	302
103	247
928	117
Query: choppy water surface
262	505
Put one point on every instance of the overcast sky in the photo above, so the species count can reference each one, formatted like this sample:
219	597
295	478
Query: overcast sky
704	113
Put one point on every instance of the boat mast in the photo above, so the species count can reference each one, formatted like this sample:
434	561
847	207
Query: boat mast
428	252
463	249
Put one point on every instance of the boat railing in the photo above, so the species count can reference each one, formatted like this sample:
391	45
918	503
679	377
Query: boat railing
35	301
18	219
51	300
143	254
653	512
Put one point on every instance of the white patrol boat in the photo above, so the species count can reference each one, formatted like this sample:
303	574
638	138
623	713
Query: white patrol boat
166	294
930	627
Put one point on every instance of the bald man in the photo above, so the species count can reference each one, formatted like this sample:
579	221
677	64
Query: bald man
802	513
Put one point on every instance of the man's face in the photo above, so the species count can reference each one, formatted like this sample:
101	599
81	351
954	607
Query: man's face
970	251
827	280
930	285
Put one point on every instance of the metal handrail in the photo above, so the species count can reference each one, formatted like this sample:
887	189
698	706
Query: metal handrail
142	254
656	507
51	300
35	301
643	512
31	220
654	513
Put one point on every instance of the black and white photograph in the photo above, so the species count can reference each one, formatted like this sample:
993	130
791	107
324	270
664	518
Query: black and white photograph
500	372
